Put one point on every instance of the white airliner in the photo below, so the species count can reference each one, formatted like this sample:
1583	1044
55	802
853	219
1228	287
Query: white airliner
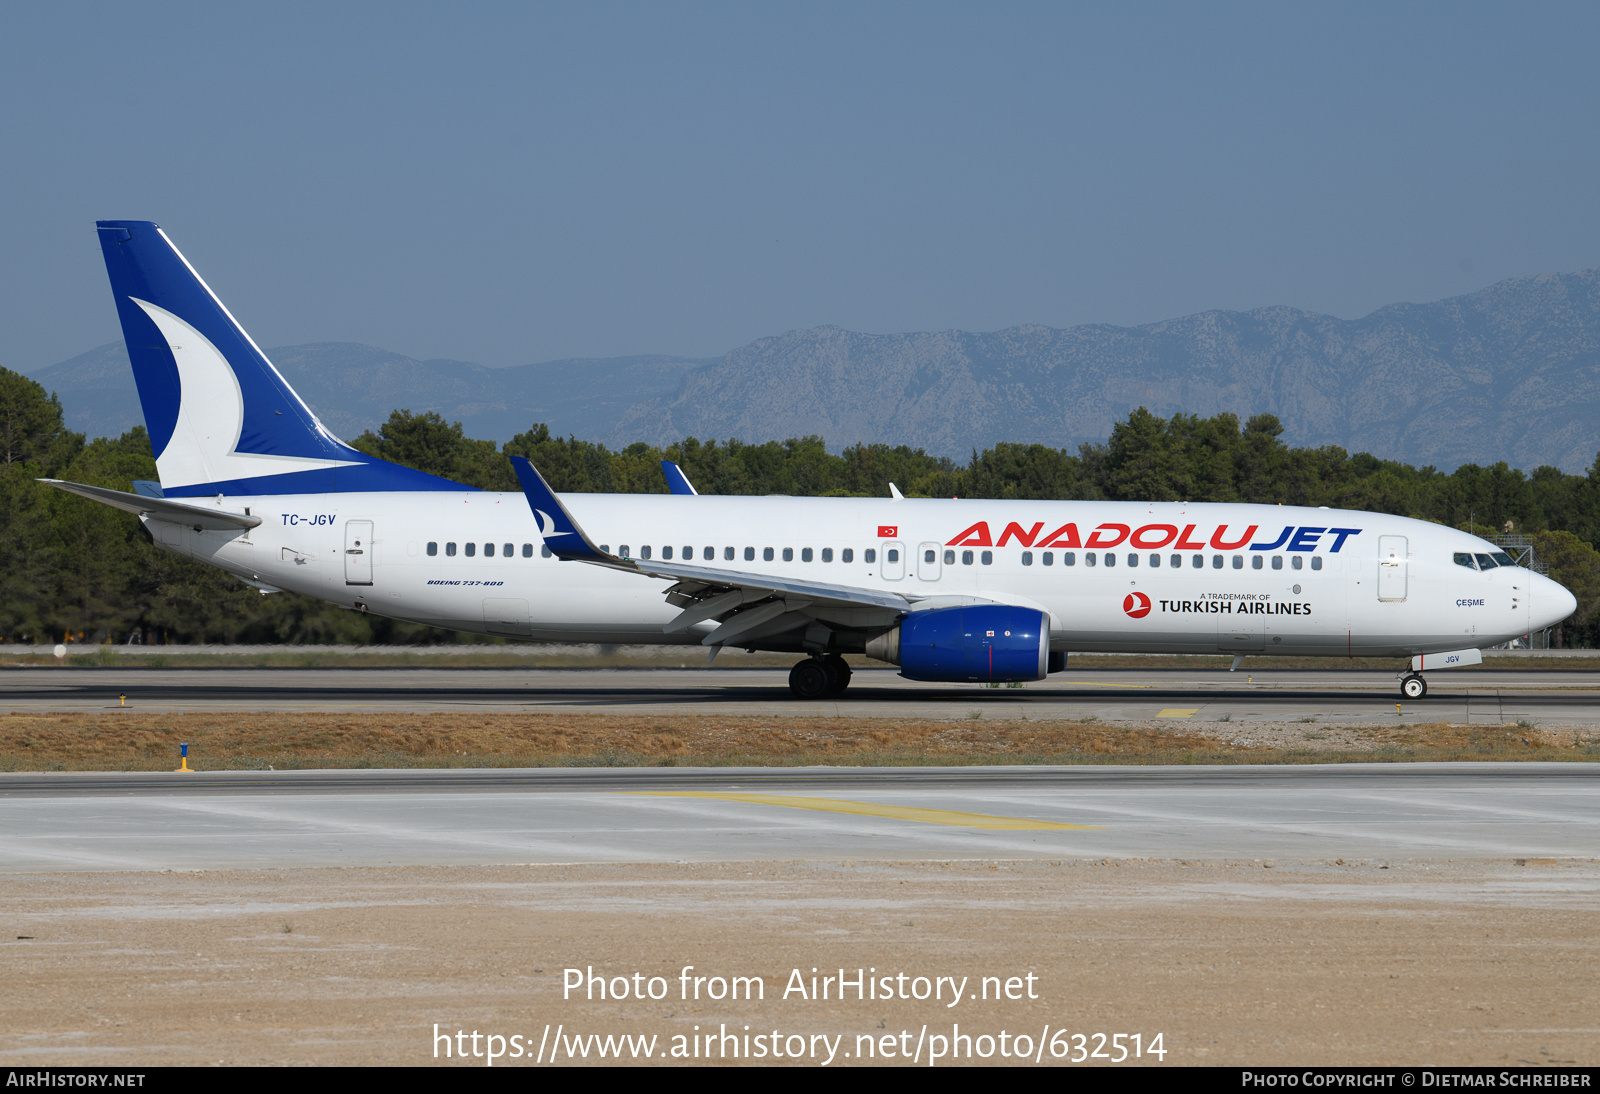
252	482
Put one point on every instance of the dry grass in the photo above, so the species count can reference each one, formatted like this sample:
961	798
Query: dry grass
149	742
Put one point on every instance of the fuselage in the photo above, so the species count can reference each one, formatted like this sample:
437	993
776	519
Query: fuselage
1112	576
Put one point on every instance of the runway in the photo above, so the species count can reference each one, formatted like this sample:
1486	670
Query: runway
1485	696
1371	813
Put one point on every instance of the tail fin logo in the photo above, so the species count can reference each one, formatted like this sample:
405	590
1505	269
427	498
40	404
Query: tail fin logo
204	444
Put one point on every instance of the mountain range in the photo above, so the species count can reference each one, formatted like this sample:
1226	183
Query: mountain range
1511	372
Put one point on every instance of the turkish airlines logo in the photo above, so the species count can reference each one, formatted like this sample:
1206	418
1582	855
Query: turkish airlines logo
1137	605
888	531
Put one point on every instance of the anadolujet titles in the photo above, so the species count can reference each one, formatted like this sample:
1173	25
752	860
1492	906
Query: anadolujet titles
960	590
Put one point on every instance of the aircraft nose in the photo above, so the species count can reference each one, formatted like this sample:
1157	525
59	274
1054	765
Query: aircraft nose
1551	602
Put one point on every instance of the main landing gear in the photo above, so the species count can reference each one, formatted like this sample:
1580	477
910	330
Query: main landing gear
1413	686
819	677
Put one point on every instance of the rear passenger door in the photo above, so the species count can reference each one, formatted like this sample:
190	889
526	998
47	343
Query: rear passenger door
358	552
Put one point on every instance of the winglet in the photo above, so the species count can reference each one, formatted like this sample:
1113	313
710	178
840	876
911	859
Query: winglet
562	534
677	481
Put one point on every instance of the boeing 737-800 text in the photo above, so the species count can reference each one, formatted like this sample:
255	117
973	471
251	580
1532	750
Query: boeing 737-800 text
970	590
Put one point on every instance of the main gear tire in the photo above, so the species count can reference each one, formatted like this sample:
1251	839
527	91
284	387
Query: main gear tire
809	679
838	671
1414	687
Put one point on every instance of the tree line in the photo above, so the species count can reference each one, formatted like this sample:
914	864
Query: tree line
75	568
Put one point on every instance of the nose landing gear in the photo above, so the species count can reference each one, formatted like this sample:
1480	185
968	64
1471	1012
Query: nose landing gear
1413	686
819	677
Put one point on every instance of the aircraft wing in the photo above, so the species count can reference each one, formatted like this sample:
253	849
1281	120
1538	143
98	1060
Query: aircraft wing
745	603
175	512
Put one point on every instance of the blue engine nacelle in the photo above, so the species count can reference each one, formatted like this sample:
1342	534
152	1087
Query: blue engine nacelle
986	642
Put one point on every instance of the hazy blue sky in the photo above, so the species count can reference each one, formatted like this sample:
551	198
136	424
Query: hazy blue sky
518	182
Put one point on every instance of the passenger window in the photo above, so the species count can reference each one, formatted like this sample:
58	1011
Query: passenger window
869	555
1316	562
1238	562
929	556
1050	559
433	549
545	552
1027	558
508	550
966	558
472	549
688	554
891	555
788	554
622	552
1484	562
606	547
450	550
1295	562
1068	558
1255	562
805	554
1111	559
949	558
1277	562
710	553
766	554
1133	560
847	555
987	558
644	552
1088	558
488	550
727	553
1198	562
1216	562
827	554
666	554
527	550
750	554
1155	561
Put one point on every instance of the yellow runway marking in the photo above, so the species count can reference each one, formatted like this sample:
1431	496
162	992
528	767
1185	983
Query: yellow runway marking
870	809
1178	712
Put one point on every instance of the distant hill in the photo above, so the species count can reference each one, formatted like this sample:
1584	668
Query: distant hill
1508	373
353	388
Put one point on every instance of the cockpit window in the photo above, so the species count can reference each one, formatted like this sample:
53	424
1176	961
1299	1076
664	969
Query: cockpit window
1464	559
1485	562
1504	559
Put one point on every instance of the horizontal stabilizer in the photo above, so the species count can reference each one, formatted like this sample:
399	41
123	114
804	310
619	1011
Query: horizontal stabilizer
175	512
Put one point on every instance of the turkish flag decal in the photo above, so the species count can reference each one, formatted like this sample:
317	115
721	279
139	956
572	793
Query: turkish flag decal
1137	605
888	531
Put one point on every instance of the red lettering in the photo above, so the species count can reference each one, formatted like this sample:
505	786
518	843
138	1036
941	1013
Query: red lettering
1070	531
1024	538
1183	543
1216	539
1119	530
1167	532
976	536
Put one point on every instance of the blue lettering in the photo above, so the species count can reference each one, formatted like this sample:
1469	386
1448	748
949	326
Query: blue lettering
1341	534
1275	544
1306	539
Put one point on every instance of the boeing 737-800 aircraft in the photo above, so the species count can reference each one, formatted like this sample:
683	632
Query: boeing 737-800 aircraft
973	590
